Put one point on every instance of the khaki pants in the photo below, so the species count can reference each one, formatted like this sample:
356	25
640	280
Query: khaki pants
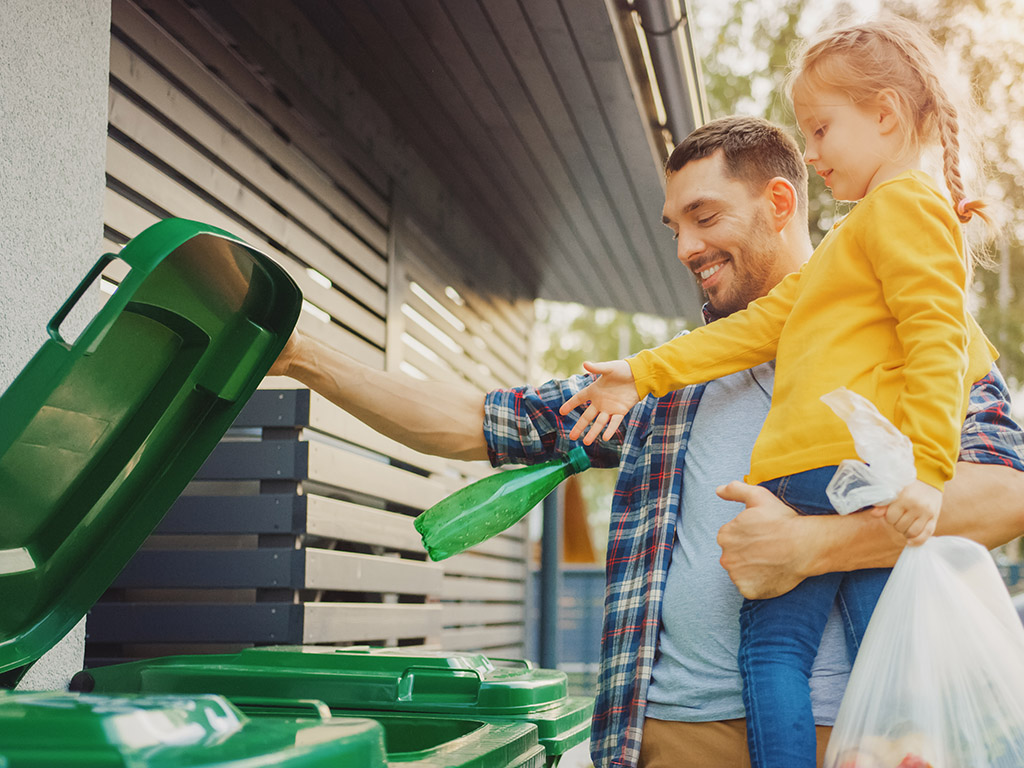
720	744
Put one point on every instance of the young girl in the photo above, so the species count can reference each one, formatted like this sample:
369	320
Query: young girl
879	309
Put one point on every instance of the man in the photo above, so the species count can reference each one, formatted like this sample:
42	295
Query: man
669	689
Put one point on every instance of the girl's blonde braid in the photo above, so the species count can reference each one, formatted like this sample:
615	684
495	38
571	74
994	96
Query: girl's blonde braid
947	125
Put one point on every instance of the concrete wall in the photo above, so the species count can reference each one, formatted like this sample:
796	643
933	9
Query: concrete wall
53	125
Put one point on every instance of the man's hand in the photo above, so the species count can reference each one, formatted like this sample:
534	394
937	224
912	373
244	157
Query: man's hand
914	513
761	545
610	396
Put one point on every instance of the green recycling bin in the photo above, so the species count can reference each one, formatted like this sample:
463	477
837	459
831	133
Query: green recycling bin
41	730
100	434
371	682
421	742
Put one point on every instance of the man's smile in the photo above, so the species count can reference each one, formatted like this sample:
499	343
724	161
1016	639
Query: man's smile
706	274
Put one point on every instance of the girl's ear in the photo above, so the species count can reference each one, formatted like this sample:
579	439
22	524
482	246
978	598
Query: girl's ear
888	105
782	199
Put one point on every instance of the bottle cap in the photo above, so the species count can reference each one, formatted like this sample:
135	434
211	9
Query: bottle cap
578	460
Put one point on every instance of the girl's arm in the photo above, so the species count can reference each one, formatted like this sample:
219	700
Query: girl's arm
913	241
734	343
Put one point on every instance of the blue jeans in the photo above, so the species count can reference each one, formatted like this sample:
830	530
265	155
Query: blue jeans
779	639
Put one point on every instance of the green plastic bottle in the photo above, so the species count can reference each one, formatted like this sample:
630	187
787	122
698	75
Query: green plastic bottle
492	504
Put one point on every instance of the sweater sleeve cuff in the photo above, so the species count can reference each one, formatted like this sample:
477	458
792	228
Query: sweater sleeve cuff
641	370
932	475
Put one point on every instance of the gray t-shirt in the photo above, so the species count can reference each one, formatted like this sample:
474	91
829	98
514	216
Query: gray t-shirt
696	677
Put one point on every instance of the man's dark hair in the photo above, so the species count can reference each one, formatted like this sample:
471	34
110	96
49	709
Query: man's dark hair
754	151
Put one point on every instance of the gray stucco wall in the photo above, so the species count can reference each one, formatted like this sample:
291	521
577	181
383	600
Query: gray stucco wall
53	122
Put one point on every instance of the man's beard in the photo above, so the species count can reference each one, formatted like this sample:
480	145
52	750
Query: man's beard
753	263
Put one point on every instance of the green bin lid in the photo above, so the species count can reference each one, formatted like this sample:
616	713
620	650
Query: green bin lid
77	731
418	741
372	680
100	435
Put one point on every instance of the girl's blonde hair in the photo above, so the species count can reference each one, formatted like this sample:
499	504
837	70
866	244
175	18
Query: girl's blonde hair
864	59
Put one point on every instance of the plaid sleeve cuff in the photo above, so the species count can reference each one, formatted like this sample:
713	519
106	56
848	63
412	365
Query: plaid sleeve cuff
990	435
523	425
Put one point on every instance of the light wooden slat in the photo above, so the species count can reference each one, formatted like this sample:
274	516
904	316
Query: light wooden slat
204	129
460	588
218	184
233	98
334	519
330	570
125	215
459	362
513	354
475	347
480	638
472	564
422	259
509	544
353	622
458	614
333	466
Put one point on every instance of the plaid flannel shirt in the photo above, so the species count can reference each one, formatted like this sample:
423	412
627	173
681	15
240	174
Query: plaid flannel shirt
523	426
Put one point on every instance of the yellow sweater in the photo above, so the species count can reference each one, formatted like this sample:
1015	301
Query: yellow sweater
879	308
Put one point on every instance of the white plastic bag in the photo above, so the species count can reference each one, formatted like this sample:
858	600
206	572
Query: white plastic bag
939	678
888	456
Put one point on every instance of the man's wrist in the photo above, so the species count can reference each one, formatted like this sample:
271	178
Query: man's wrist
847	543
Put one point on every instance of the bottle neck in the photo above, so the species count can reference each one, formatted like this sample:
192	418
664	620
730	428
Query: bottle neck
577	460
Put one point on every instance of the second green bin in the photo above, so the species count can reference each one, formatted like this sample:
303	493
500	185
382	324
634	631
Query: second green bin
371	682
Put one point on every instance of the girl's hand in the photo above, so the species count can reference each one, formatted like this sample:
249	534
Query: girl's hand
914	513
610	396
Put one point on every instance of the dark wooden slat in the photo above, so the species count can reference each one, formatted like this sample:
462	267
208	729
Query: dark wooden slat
670	287
241	98
401	88
426	32
220	186
206	129
582	223
270	513
326	464
195	623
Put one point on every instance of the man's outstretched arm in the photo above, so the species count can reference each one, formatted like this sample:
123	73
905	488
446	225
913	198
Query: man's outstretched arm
430	417
768	548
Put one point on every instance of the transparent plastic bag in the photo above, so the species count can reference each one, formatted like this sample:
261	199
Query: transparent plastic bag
939	678
888	456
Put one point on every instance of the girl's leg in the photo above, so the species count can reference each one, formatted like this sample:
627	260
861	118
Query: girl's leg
858	594
779	640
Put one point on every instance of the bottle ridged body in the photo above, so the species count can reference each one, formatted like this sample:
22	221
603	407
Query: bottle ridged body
491	505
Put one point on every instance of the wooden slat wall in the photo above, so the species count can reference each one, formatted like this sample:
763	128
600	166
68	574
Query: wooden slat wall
195	132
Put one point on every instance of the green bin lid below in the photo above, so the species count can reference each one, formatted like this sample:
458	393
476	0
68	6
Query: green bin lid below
75	731
423	741
371	680
102	433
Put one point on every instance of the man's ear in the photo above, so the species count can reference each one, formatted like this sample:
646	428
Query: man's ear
782	199
887	105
